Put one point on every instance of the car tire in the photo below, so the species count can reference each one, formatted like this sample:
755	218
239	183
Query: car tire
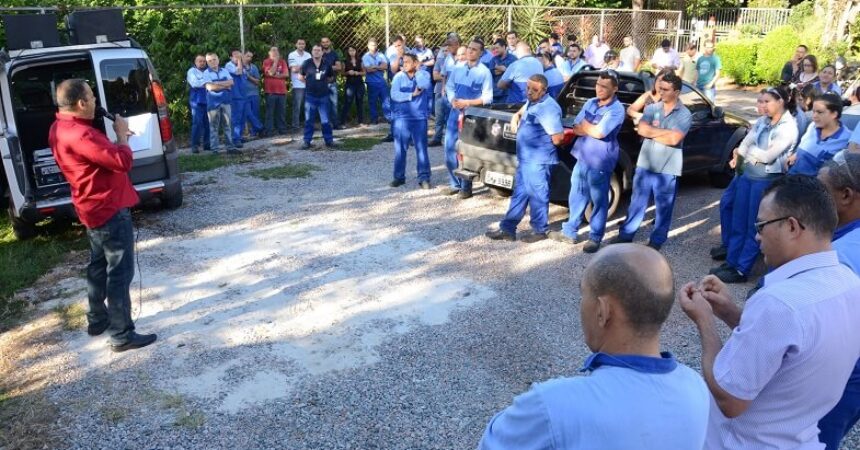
614	198
21	228
172	200
500	192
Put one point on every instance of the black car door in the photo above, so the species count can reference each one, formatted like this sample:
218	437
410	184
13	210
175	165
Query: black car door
704	143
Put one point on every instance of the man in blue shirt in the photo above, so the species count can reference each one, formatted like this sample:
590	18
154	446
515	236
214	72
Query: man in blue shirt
316	73
596	152
636	397
841	176
663	125
468	85
497	66
219	90
426	60
409	104
554	45
252	96
517	74
553	76
539	131
197	105
445	62
236	68
375	64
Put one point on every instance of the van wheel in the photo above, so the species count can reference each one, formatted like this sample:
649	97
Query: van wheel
21	228
500	192
172	200
614	198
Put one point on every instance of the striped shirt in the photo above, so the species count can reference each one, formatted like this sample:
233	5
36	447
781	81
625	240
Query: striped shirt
790	356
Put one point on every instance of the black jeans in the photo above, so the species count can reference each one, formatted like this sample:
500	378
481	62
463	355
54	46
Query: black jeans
109	275
353	93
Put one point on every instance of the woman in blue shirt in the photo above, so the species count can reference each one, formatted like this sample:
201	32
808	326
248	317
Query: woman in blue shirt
571	63
825	82
822	141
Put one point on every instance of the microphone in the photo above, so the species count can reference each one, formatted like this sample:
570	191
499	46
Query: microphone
101	112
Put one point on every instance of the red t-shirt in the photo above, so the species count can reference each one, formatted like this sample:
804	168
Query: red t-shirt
96	169
276	84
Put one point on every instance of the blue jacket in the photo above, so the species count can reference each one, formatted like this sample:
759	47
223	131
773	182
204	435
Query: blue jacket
813	152
406	106
197	81
215	99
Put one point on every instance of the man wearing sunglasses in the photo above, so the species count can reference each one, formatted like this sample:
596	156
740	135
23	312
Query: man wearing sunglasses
799	327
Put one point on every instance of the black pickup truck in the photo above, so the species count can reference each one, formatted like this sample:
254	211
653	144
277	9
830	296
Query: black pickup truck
488	150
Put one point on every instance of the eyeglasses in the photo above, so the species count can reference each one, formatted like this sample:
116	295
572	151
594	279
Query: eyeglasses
610	73
759	226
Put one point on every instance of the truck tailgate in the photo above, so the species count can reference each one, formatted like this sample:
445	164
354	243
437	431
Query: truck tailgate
489	127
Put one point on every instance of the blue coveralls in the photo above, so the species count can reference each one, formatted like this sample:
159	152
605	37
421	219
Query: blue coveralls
464	83
813	152
657	171
252	101
499	95
518	73
197	106
568	67
410	122
444	65
424	55
555	81
595	162
238	106
536	155
377	89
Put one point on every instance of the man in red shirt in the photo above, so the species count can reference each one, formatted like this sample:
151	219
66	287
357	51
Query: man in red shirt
275	74
97	172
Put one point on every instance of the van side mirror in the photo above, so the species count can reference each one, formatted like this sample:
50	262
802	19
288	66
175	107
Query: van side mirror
718	112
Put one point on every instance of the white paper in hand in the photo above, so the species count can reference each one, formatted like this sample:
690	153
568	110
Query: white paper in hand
141	126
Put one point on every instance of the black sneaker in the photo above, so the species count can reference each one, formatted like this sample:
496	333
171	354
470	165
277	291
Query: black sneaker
388	138
98	328
424	184
332	144
731	275
654	245
591	247
533	237
723	266
396	183
719	253
195	150
134	341
449	190
500	235
621	240
307	146
434	143
558	236
465	194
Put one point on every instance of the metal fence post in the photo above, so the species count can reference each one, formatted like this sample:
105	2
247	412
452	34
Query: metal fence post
387	25
510	14
678	28
242	27
602	17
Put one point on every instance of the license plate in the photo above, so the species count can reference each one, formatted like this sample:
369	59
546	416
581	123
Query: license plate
499	179
49	170
507	134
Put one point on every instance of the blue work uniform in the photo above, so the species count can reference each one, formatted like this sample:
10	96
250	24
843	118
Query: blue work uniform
569	67
317	98
657	171
377	89
237	118
410	122
813	152
445	63
595	162
499	95
486	57
555	81
536	154
834	88
463	83
252	100
197	106
839	421
855	136
518	75
218	108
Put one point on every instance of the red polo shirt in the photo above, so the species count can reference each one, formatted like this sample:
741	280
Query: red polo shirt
96	169
275	85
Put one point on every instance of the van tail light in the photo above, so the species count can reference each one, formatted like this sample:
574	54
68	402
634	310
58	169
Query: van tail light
460	122
164	124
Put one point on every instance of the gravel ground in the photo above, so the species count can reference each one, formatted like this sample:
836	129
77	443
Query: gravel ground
334	312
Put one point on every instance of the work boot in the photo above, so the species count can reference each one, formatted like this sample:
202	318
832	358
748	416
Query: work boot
533	237
500	235
134	341
719	253
558	236
591	247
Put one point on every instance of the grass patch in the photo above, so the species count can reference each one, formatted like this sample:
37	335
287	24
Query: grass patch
114	414
187	419
204	162
73	316
357	144
203	181
28	422
300	170
23	262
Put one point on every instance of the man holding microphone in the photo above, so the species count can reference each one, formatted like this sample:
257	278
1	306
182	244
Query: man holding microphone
102	193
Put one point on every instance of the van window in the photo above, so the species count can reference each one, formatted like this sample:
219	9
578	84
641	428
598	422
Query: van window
127	86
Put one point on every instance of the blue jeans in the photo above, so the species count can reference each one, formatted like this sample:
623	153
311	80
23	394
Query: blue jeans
298	104
727	206
377	93
587	185
199	126
353	93
452	134
109	276
710	93
663	187
252	114
839	421
531	188
276	105
332	100
237	118
743	248
219	118
442	109
404	132
313	106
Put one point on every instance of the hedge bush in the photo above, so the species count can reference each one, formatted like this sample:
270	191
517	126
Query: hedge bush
739	58
775	49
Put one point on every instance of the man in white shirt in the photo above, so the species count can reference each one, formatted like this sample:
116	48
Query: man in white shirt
630	56
665	56
295	60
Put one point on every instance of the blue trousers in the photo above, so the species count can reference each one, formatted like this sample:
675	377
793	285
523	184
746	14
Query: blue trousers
109	276
219	118
743	248
727	206
587	185
452	134
531	188
276	109
404	132
252	114
313	106
237	118
199	126
377	93
332	100
838	422
443	108
645	184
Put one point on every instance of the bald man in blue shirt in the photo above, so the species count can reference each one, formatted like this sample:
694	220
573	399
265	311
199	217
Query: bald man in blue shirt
517	74
468	85
409	102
